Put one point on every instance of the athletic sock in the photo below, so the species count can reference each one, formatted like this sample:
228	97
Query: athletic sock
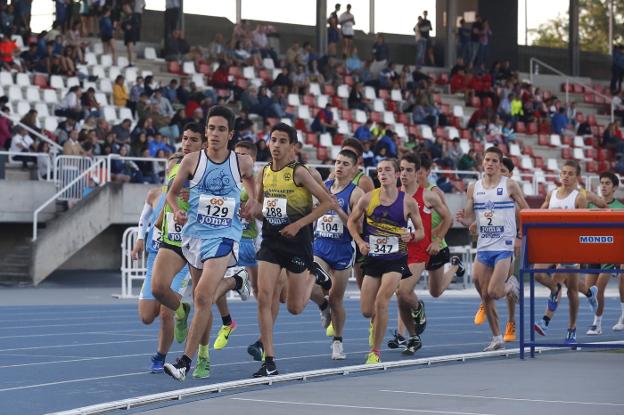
338	338
597	321
499	338
239	281
268	359
161	356
186	360
546	320
203	351
324	305
588	293
179	313
622	306
227	320
376	351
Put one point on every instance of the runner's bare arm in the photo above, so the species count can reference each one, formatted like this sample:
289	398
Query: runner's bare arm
596	200
515	192
366	184
353	224
187	166
245	163
412	213
465	216
581	201
439	232
547	200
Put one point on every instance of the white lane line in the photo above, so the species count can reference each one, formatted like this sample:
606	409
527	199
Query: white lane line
502	398
63	382
86	333
377	408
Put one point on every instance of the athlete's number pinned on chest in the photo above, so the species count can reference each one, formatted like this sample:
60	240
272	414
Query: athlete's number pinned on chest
215	210
380	245
491	224
274	210
330	226
173	229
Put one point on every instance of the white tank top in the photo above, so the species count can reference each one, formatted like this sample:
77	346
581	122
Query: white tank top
496	217
569	202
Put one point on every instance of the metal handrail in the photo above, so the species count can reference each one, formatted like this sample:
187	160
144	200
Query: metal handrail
91	170
52	143
569	80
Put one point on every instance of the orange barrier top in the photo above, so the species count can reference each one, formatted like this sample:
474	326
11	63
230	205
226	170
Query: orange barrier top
552	242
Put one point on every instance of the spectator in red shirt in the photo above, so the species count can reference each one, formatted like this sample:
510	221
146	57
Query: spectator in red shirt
458	82
7	50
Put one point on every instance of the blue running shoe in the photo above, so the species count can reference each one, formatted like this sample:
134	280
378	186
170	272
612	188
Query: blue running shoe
593	300
540	327
157	364
570	337
553	299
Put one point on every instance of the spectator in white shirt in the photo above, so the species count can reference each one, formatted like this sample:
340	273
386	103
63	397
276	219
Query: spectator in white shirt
70	105
22	143
347	20
164	106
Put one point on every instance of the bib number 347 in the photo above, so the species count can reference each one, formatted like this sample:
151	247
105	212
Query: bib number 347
383	245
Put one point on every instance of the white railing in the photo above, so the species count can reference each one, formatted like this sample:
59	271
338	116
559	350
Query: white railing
131	269
53	145
49	165
154	161
536	63
66	169
71	192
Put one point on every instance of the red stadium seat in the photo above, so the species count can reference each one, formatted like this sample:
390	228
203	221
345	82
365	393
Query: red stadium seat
538	162
383	94
347	115
40	80
475	102
532	128
322	153
312	139
591	167
205	69
543	140
603	154
174	67
566	153
329	90
338	138
234	71
520	127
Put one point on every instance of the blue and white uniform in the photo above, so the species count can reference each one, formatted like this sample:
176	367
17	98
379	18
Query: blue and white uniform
213	229
496	222
152	244
332	240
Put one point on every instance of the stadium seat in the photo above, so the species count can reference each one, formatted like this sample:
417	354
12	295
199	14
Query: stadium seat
90	58
579	142
552	165
322	101
526	163
101	98
315	89
343	91
174	67
125	113
50	124
578	154
303	112
591	166
514	150
396	95
369	93
388	118
451	132
378	105
343	127
555	140
122	61
109	114
106	61
42	109
400	130
21	108
425	132
188	67
268	63
527	188
56	82
22	80
322	153
15	93
312	139
40	80
360	116
50	97
6	78
73	81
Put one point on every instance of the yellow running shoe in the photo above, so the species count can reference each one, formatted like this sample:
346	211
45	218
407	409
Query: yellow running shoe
480	316
510	331
373	358
371	335
329	332
224	335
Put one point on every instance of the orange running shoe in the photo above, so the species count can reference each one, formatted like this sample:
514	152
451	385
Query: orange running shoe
510	331
480	316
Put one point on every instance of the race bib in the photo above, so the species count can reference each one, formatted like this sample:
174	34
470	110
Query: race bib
329	226
410	226
383	245
274	210
173	229
491	225
156	239
246	224
216	211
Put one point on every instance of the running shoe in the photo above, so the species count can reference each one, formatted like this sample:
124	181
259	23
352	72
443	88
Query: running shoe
553	299
256	350
338	351
593	300
329	332
514	293
413	345
177	370
461	270
157	364
420	318
594	330
397	341
181	324
371	335
373	358
495	344
540	327
325	317
202	368
245	290
619	326
267	369
480	317
570	337
322	277
224	335
510	332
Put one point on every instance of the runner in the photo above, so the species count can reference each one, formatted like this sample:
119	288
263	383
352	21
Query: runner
149	307
507	169
411	309
212	228
567	196
386	212
494	199
333	249
286	194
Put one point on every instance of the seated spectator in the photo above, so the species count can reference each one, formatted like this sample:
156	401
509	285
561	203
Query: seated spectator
163	106
388	143
354	63
217	48
121	169
559	121
324	121
120	93
263	153
381	55
517	110
44	160
611	137
122	131
22	143
146	173
137	144
30	58
299	80
509	134
458	82
70	105
8	48
455	152
5	130
176	47
367	154
356	98
183	92
282	81
30	120
89	103
467	162
158	143
279	104
363	132
72	146
170	91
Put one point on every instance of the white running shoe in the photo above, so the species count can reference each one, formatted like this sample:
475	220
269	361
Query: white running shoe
619	326
495	344
594	330
245	290
338	351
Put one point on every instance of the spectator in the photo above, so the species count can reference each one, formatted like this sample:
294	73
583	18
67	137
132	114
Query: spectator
131	26
463	40
455	153
617	69
163	106
44	160
299	80
120	93
70	106
363	132
475	37
333	35
347	21
8	48
176	47
30	120
484	43
517	111
5	130
263	153
282	81
324	122
146	172
509	134
89	103
559	121
172	17
387	143
421	43
122	131
121	169
458	82
22	143
367	154
170	91
135	93
381	55
72	147
106	33
354	63
29	57
217	48
611	137
356	98
425	28
183	92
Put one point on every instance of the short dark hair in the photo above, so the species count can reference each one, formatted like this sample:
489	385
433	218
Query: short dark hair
221	111
496	151
509	164
249	146
349	154
574	164
425	161
196	128
285	128
412	158
611	176
355	144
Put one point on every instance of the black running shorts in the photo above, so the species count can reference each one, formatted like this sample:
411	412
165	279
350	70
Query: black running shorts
438	260
375	267
295	257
